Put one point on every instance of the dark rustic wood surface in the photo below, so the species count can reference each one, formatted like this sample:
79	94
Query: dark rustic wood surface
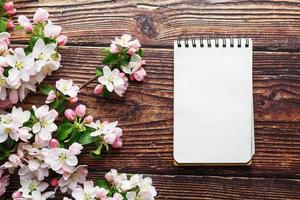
146	112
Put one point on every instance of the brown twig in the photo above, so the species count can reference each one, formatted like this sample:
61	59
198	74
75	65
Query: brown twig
88	82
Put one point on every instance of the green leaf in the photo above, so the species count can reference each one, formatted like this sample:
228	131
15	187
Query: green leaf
63	131
54	104
107	148
31	44
102	184
96	153
110	59
105	91
105	52
141	52
85	138
99	72
6	69
45	89
61	106
3	25
19	27
49	40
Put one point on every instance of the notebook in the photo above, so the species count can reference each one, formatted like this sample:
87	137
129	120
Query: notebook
213	101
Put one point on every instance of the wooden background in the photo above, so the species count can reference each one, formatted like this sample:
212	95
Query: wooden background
146	112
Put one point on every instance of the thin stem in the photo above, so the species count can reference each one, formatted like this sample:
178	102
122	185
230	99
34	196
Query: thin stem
88	82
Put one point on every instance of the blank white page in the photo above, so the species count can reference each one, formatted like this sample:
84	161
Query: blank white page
213	103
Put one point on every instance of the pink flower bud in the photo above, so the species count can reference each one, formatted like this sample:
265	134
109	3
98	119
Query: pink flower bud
70	114
8	6
14	97
51	96
61	40
53	143
114	48
28	27
88	119
11	12
16	194
143	62
140	74
131	51
122	74
98	89
110	138
73	99
54	182
40	16
131	77
10	24
80	110
118	143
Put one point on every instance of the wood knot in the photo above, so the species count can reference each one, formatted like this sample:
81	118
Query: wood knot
146	25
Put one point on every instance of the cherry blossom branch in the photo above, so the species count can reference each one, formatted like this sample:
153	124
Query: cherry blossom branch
88	82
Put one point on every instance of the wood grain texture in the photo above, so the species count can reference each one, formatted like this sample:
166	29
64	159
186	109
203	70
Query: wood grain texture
210	187
146	111
273	24
146	114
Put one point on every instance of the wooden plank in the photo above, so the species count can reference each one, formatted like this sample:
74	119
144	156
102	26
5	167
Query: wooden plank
272	24
146	114
209	187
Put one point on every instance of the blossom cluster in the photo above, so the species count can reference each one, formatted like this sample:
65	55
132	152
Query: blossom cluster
44	151
64	91
7	11
85	130
38	155
116	187
122	61
22	69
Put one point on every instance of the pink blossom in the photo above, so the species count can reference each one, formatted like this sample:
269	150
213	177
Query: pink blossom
51	96
121	89
75	148
133	46
53	143
62	40
11	12
102	194
70	181
131	51
114	48
8	6
98	89
88	119
13	96
4	104
10	24
54	182
73	99
25	23
70	114
52	31
80	110
16	195
3	49
40	16
118	143
39	142
61	160
110	138
140	74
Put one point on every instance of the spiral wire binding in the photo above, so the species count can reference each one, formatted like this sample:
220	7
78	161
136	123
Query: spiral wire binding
209	43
